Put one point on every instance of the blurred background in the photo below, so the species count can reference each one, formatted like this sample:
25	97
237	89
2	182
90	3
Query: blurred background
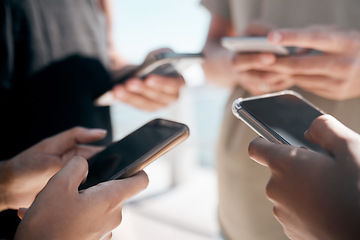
180	202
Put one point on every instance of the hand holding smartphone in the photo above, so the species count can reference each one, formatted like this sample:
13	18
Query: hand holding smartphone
281	117
166	63
131	154
254	44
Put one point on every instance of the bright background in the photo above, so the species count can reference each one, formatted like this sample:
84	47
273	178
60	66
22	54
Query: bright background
180	202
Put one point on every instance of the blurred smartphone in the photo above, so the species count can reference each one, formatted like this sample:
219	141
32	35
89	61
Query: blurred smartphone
281	117
166	63
131	154
253	44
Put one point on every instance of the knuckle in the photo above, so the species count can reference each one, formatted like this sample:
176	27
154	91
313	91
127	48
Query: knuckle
269	189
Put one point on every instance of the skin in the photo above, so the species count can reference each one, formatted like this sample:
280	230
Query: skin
227	69
315	196
60	211
151	94
23	177
334	74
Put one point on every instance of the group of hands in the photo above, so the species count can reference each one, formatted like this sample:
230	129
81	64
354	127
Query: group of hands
301	180
315	196
42	183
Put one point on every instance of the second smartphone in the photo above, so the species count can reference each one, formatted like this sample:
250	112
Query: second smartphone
281	117
131	154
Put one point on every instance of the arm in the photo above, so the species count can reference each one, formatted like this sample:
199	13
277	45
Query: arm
117	61
60	211
217	64
335	73
315	196
239	69
23	176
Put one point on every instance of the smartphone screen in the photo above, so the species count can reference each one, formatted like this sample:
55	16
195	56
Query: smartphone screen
280	117
135	151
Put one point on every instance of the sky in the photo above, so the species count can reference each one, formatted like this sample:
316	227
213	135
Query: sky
141	26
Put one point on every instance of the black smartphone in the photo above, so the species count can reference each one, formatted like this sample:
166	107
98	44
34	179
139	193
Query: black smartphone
281	117
131	154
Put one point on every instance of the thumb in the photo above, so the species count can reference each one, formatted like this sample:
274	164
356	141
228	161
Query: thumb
21	212
258	28
71	175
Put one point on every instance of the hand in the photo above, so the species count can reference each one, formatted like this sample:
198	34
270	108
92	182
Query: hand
250	68
23	177
315	196
151	94
61	212
335	74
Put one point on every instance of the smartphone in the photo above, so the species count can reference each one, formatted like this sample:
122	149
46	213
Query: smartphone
254	44
167	63
281	117
131	154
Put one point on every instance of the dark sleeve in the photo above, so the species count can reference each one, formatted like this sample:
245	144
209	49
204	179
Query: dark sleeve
6	47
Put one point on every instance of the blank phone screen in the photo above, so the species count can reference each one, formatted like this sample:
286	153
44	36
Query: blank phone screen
144	141
287	115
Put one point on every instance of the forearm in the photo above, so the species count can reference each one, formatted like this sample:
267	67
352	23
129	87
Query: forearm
217	65
105	6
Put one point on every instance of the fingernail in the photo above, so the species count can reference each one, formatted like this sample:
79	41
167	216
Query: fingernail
266	59
275	37
98	131
134	86
119	92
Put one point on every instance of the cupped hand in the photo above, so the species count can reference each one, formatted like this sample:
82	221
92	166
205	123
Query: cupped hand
251	68
333	74
60	211
151	94
315	196
27	173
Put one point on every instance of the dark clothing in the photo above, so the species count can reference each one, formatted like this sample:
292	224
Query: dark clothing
53	58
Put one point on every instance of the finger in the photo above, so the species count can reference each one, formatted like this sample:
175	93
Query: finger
260	82
117	191
169	85
21	212
330	134
135	100
275	156
325	65
157	90
71	175
83	151
260	149
66	140
315	38
258	28
324	86
245	62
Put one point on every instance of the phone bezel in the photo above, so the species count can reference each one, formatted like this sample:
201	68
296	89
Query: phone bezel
259	127
154	153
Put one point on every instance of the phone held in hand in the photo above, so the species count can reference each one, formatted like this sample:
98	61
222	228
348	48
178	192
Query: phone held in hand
281	117
254	44
166	63
131	154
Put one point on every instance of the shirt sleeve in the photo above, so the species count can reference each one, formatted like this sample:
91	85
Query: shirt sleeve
218	7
